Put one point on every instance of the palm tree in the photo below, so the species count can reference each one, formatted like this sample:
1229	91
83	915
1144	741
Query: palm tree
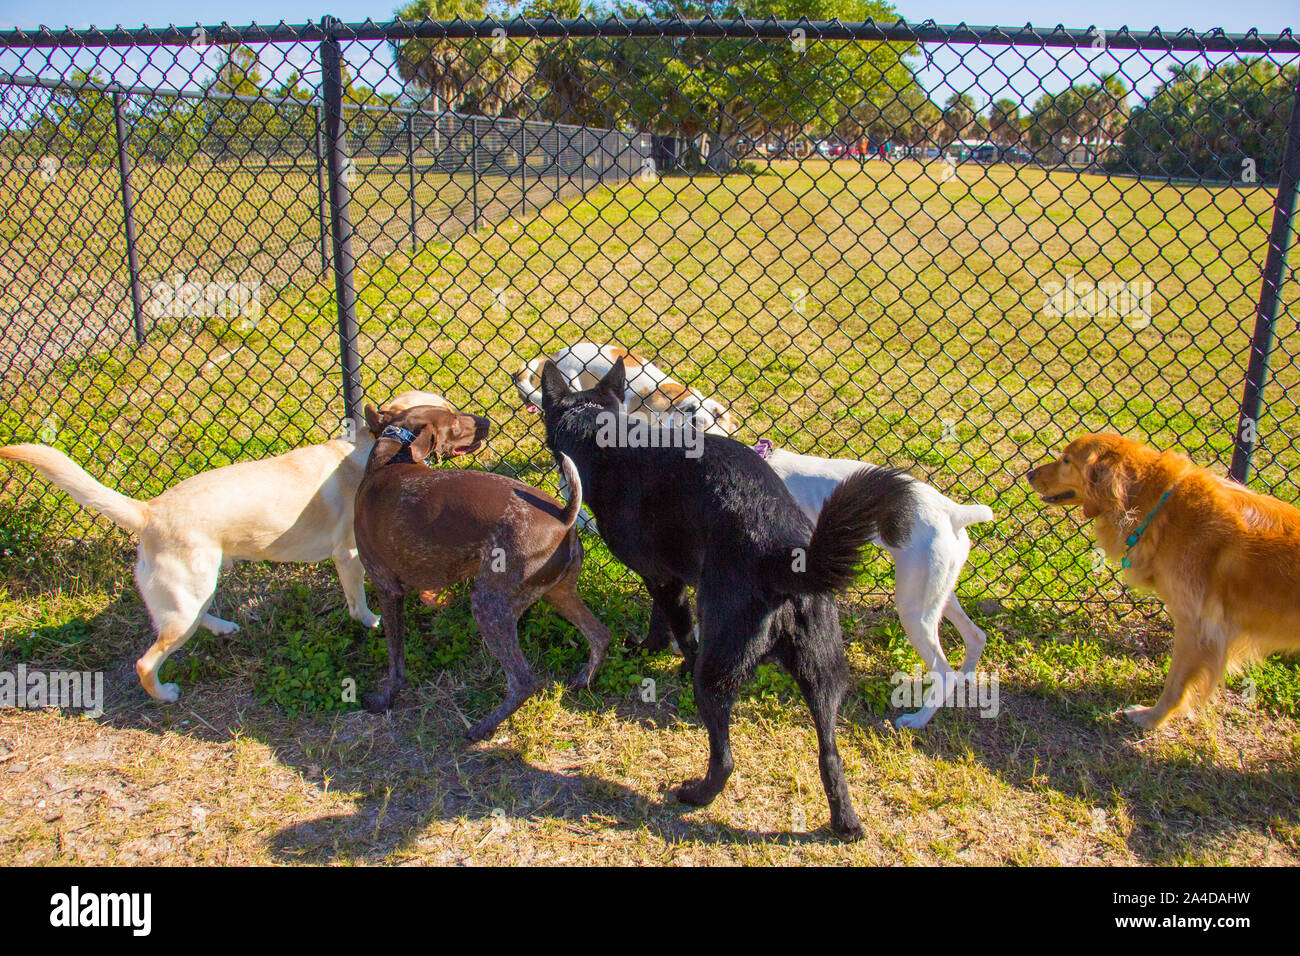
1053	123
1107	107
448	69
958	116
1004	122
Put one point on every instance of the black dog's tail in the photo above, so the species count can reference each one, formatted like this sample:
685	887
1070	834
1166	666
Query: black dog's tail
872	502
571	507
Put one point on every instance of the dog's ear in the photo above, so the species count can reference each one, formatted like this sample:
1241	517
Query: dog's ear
427	441
373	421
554	387
615	381
1107	479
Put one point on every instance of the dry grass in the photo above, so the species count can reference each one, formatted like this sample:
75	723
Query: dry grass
222	779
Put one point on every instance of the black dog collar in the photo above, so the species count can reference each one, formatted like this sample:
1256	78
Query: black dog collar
398	433
406	437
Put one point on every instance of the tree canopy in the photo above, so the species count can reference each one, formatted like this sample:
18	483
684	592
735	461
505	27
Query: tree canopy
721	94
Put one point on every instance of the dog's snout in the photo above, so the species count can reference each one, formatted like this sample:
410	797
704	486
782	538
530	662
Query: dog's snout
1032	472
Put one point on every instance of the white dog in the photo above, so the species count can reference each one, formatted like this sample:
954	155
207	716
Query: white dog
293	507
925	568
650	392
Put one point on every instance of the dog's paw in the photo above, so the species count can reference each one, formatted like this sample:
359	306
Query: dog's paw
911	722
367	618
1142	716
848	831
693	793
650	644
169	693
481	731
220	627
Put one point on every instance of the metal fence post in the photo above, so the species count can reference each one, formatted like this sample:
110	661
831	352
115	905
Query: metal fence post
323	189
473	170
338	162
1261	344
128	218
410	169
524	153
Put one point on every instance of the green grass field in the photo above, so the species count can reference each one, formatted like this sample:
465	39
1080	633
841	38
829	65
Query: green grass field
879	312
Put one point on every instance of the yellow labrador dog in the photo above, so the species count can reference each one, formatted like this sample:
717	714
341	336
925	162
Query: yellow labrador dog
293	507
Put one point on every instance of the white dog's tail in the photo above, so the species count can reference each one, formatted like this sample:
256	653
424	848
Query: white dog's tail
571	507
962	515
61	470
529	381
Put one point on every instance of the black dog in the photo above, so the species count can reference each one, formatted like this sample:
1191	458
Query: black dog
723	522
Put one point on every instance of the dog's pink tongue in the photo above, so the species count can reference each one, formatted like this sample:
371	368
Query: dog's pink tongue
532	409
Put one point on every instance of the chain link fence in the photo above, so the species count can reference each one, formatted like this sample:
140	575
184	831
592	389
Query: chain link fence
946	248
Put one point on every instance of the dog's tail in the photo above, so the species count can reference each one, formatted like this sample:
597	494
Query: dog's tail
529	382
870	503
964	515
61	470
574	504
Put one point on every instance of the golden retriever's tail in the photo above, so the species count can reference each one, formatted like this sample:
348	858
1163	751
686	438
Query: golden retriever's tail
571	507
61	470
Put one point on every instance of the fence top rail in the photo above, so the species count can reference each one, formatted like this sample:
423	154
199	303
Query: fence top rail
1187	40
59	84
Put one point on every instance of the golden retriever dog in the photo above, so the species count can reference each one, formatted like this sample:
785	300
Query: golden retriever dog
294	507
1224	560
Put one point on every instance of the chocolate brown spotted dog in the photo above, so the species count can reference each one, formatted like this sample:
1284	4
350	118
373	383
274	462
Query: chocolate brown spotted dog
424	529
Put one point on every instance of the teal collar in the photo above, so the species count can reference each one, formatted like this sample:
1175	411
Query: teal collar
1132	540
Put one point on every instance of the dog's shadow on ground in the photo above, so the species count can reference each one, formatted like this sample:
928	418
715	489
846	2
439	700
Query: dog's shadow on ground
383	828
411	771
418	771
407	775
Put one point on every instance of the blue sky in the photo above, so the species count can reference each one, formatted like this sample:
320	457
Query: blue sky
965	69
1267	15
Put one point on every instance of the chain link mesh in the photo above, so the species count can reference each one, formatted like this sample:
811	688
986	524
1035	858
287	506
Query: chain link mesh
946	248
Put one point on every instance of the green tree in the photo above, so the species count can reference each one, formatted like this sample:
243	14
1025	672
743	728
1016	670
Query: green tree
1004	122
958	117
723	92
1090	113
77	125
1220	123
448	69
569	83
235	127
1051	121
